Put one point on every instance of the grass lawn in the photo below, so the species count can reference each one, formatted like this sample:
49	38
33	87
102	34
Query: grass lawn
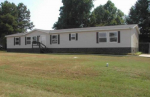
62	75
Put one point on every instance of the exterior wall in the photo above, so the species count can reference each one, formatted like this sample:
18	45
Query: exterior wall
134	40
86	43
88	40
10	40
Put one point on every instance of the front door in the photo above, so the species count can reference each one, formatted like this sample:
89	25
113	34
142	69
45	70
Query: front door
43	39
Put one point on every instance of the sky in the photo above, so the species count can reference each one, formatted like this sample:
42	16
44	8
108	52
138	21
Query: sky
44	13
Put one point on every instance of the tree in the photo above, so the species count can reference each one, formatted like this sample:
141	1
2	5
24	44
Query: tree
8	17
74	14
14	19
139	15
23	18
107	14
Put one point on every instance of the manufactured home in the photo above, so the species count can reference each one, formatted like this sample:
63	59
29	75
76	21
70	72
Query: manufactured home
120	39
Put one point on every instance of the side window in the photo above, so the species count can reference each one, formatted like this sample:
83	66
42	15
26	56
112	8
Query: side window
73	36
102	37
17	41
113	37
54	39
28	40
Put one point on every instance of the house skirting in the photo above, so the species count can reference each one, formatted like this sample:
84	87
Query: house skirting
123	50
24	50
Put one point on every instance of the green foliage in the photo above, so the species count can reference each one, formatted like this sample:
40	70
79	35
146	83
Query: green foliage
139	15
107	14
74	14
24	18
14	19
8	18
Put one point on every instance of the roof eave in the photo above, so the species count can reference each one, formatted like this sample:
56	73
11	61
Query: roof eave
14	35
89	30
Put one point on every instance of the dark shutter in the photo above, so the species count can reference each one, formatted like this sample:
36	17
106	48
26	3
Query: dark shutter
118	36
97	37
14	40
19	40
69	37
25	40
37	39
76	36
58	39
50	39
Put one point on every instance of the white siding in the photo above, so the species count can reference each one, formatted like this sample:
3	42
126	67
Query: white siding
134	38
10	40
88	40
85	40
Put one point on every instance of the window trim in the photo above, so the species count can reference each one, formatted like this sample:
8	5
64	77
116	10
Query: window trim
108	36
55	39
17	40
28	40
102	37
73	36
113	37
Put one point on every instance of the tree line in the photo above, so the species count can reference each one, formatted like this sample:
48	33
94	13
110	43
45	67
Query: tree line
77	14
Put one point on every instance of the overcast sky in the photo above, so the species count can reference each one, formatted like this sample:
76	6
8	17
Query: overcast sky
44	13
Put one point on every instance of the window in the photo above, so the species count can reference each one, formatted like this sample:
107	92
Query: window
17	41
28	40
54	39
34	39
113	37
73	36
102	37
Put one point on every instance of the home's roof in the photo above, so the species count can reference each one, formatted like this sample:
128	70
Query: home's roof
87	29
22	34
102	28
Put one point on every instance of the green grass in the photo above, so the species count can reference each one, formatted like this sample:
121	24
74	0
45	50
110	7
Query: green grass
62	75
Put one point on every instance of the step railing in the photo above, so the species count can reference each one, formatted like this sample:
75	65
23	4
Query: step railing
41	46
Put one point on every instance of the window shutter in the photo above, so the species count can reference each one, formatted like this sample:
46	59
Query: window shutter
97	37
14	40
118	36
76	36
25	40
50	39
58	39
69	37
19	40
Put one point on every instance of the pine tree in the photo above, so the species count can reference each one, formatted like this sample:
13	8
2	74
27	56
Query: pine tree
23	18
139	15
